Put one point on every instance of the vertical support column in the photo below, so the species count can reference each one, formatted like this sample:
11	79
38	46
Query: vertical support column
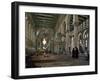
72	42
68	37
75	23
67	34
36	38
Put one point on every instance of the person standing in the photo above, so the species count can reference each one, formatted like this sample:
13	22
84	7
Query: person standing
73	51
76	52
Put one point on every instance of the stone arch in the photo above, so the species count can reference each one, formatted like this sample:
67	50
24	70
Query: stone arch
47	34
84	33
80	38
85	38
80	42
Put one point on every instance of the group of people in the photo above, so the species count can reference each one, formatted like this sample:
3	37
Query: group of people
75	52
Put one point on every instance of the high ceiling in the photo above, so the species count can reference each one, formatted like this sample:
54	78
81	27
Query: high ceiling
50	20
45	20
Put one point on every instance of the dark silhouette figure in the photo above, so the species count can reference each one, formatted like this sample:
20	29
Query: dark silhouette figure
75	52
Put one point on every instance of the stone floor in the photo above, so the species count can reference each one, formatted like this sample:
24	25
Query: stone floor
51	60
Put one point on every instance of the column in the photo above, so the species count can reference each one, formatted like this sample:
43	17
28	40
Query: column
75	23
67	34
